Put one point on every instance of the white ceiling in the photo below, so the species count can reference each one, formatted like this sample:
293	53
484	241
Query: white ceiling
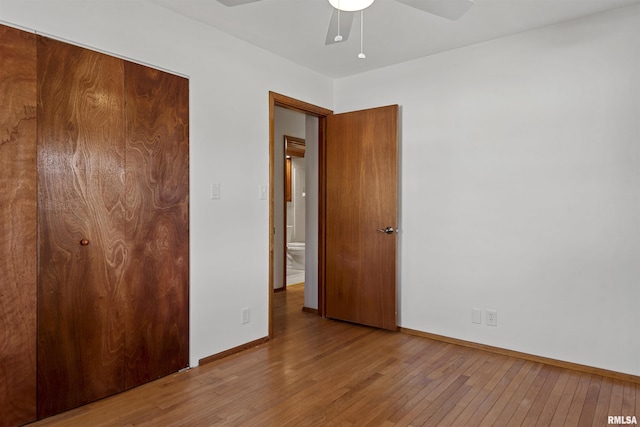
394	32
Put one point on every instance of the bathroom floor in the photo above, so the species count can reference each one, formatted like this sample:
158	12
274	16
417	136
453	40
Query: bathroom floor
294	276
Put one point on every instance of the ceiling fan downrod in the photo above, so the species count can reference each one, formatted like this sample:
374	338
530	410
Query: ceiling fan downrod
338	38
361	55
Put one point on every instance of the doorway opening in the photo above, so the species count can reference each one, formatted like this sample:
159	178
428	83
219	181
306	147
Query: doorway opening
357	211
297	201
310	194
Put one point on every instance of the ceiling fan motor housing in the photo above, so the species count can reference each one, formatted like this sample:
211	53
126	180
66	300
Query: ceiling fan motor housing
351	5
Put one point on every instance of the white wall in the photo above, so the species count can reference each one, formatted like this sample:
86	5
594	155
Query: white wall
520	162
312	168
229	134
296	214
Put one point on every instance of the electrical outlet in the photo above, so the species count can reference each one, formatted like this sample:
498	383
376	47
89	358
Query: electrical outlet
492	318
246	315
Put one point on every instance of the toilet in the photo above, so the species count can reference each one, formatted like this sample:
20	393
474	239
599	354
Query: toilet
295	251
295	254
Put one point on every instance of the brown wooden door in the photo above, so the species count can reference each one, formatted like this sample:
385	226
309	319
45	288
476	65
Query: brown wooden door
157	224
81	226
17	227
361	176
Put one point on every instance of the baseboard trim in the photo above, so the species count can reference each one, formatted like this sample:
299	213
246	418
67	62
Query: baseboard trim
234	350
310	310
526	356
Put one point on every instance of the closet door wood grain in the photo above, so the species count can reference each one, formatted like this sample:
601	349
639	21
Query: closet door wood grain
17	227
80	197
157	223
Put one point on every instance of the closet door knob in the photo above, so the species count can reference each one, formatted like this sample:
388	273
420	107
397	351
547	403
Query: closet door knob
84	242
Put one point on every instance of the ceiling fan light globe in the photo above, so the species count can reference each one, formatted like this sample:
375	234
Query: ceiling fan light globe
351	5
338	38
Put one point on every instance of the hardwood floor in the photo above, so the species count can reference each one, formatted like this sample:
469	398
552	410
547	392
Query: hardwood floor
318	372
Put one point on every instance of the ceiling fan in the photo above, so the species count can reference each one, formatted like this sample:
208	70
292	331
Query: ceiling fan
344	12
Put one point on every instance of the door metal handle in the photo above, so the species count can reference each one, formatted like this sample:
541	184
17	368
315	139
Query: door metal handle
388	230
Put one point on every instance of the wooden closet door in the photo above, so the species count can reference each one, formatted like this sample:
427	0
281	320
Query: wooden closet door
81	226
17	227
157	224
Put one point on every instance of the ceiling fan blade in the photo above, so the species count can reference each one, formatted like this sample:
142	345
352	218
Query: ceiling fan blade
231	3
346	20
450	9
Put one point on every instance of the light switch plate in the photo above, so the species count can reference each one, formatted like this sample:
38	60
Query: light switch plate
476	315
215	191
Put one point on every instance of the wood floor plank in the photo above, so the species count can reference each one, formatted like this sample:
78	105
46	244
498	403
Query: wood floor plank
628	400
376	411
392	381
541	399
517	398
527	403
484	408
318	372
578	400
428	380
590	401
406	415
603	403
564	402
439	408
482	383
553	400
617	397
353	384
506	395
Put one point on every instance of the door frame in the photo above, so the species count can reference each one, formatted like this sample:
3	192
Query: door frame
276	99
